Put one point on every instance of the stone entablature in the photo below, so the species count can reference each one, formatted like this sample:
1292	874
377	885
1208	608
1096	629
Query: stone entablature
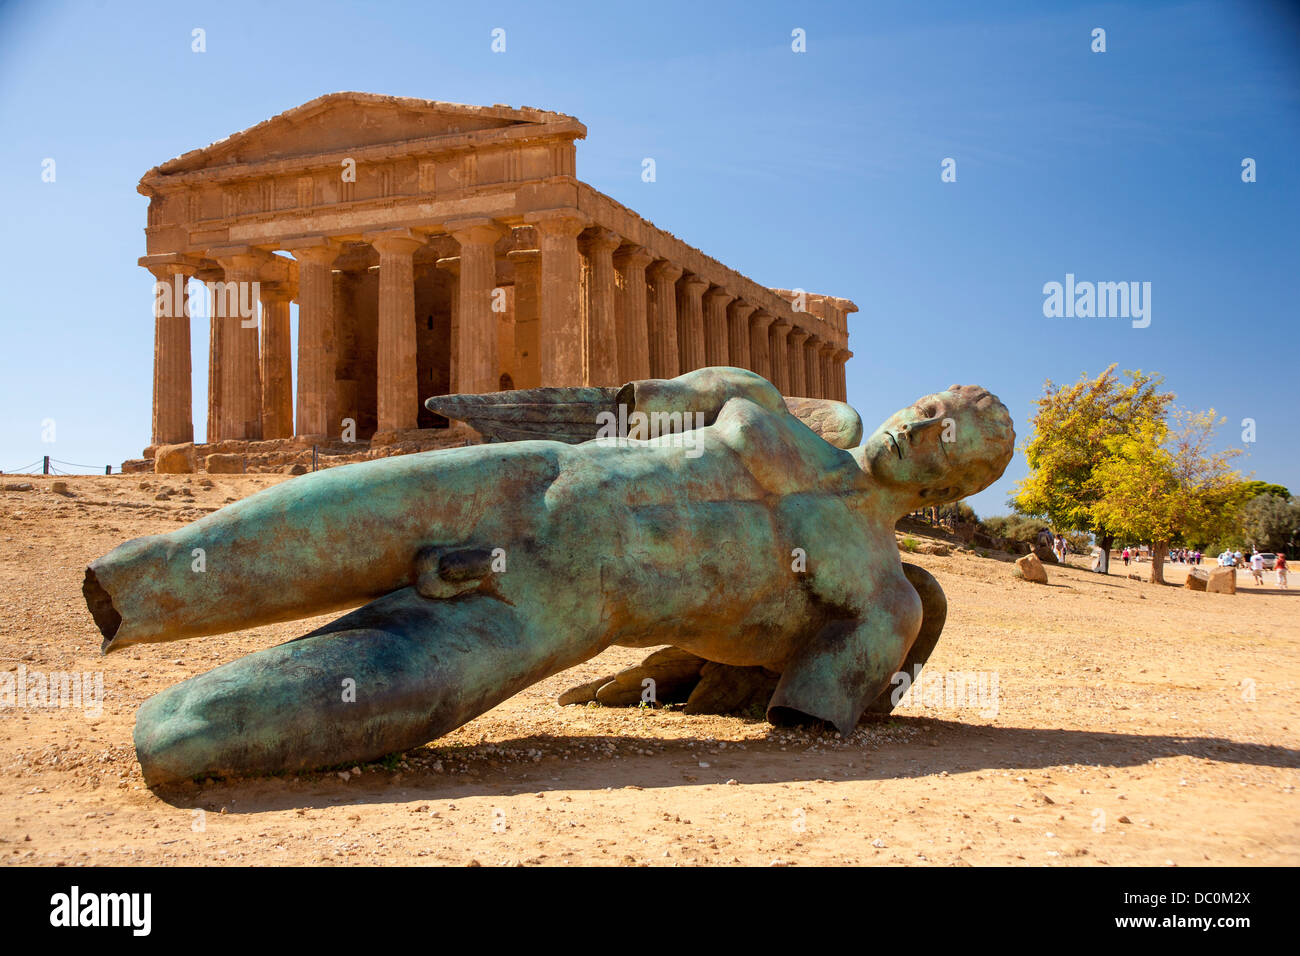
436	247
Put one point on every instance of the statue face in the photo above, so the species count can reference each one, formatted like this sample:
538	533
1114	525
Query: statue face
906	450
940	447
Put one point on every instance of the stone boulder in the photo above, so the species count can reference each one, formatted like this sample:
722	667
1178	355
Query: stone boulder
18	486
1222	581
175	459
1197	579
1031	569
294	469
220	464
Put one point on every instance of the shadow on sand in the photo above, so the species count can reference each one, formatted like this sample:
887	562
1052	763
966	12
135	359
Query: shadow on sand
940	745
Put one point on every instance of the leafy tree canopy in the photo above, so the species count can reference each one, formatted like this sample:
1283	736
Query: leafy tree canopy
1074	428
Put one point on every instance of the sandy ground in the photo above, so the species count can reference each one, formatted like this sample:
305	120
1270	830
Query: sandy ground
1133	724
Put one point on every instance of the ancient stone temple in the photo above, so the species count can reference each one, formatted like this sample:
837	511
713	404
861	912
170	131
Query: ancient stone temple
434	247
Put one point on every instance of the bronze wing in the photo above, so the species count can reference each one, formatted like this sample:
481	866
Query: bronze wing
573	414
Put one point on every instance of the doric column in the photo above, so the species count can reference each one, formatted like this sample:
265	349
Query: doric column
738	314
277	363
560	313
451	265
841	381
825	361
528	368
241	379
173	417
776	335
690	322
316	394
813	367
479	365
601	334
759	352
794	352
216	327
399	387
665	362
633	330
716	345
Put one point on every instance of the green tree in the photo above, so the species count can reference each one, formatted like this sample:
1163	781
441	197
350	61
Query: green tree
1071	428
1164	485
1252	488
958	511
1269	522
1014	527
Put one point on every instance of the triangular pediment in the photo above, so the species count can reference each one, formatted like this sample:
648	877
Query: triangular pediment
343	121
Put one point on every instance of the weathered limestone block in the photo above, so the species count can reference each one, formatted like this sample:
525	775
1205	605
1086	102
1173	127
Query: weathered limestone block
18	486
1031	569
175	459
294	469
224	464
1197	579
1222	581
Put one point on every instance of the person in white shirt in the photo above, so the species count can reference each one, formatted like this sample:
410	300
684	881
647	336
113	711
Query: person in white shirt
1257	566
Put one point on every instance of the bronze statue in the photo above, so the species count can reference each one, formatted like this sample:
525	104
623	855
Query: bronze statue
756	537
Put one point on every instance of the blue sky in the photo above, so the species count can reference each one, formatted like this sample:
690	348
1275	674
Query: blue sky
818	170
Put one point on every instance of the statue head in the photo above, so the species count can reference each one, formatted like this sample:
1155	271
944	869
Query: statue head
941	448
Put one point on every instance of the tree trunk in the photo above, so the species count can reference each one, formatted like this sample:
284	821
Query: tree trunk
1158	551
1104	541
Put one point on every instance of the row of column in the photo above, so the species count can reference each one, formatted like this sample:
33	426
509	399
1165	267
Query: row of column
595	309
666	322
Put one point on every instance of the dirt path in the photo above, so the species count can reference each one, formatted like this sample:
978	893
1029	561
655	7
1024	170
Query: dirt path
1133	724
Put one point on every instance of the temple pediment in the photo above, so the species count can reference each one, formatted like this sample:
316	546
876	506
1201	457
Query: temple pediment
351	121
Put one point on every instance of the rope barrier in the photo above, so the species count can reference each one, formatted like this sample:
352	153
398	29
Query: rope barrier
36	468
23	470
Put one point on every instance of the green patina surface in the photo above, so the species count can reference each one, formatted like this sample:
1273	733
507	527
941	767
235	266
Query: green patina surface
756	540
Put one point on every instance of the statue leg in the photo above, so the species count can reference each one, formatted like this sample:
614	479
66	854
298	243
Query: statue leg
934	606
386	677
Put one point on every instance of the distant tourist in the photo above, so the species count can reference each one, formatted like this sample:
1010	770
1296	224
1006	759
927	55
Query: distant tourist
1257	566
1280	568
1127	555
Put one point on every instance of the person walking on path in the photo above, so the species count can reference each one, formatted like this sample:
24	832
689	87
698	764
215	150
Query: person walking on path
1280	568
1257	566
